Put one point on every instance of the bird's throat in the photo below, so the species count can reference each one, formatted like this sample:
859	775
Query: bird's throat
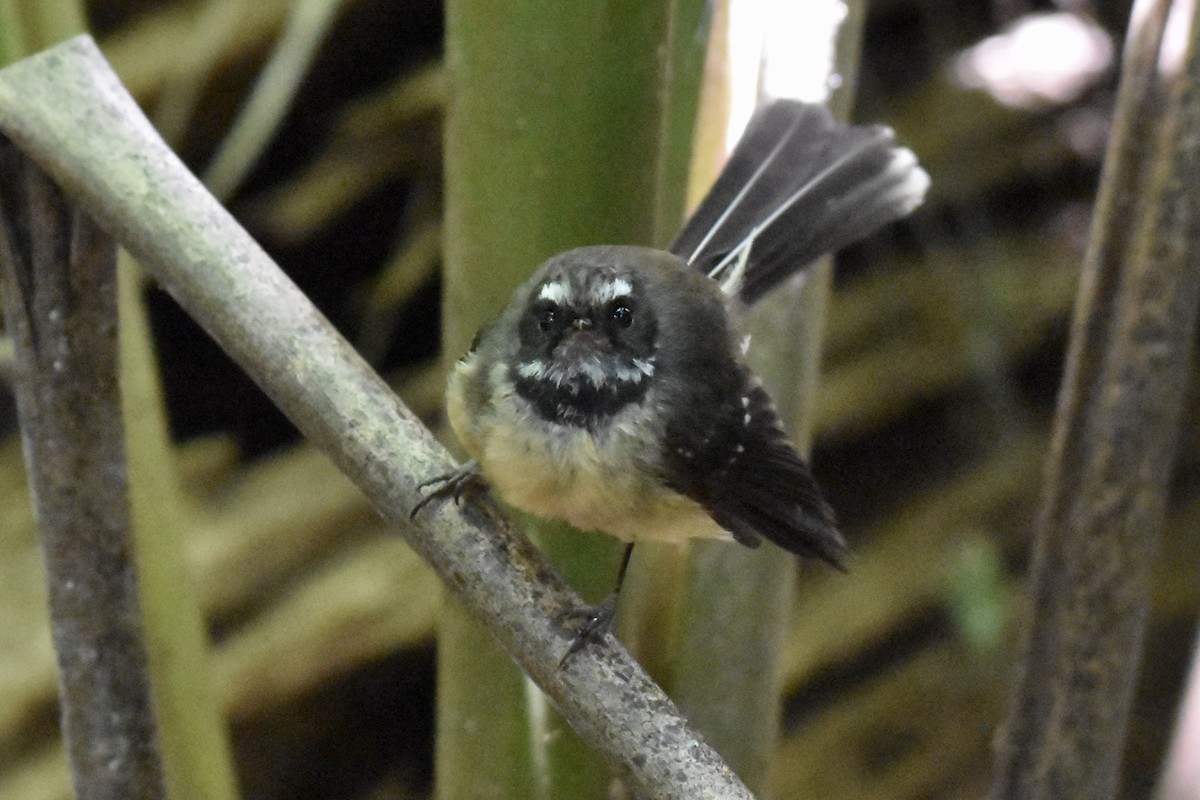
576	397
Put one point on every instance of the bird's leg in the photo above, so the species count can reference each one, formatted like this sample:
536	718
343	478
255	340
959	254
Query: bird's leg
596	620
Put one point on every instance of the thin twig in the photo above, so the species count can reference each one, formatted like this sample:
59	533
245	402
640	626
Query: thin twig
146	198
58	283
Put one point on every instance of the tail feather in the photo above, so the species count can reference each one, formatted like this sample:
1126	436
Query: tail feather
798	185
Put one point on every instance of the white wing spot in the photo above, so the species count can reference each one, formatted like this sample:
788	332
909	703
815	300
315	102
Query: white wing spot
532	369
646	365
911	182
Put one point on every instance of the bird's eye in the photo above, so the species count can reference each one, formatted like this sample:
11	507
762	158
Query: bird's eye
622	314
547	317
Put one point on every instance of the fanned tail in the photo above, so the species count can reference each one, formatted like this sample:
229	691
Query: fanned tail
798	185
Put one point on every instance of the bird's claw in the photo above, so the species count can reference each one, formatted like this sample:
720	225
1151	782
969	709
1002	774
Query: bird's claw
460	481
596	621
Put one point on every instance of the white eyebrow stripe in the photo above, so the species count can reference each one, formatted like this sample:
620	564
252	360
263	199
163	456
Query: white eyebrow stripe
621	286
554	291
611	290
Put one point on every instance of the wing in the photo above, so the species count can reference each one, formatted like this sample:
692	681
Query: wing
798	185
736	462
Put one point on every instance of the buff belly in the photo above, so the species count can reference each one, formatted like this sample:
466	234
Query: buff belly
574	480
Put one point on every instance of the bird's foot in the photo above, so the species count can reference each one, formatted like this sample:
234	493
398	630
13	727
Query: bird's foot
464	479
594	622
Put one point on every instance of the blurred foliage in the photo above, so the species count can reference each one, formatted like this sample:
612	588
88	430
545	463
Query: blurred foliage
943	355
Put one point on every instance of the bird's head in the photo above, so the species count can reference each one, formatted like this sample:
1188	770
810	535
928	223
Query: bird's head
588	335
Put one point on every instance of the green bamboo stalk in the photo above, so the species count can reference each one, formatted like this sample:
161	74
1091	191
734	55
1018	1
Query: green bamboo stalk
196	757
727	670
563	129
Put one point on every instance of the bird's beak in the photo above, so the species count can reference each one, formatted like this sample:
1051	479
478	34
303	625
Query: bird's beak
582	340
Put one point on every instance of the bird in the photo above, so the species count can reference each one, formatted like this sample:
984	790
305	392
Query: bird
613	392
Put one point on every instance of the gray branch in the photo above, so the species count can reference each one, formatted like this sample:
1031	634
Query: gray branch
58	280
70	114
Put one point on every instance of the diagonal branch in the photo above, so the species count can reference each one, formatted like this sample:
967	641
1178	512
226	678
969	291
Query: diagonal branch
140	192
